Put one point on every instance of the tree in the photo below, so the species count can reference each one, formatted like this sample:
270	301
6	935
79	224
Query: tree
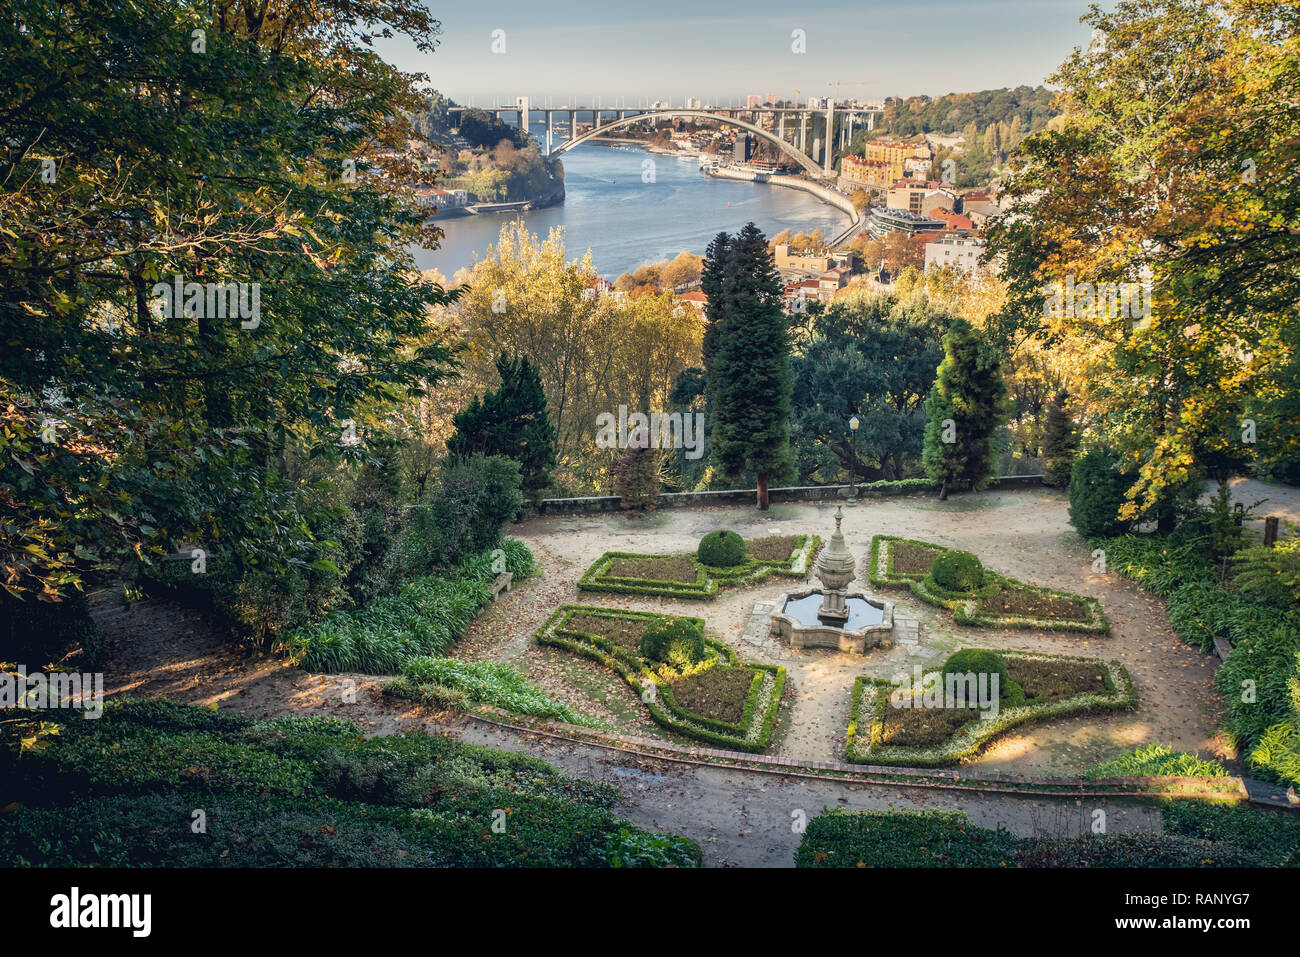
133	157
511	421
1060	440
872	357
964	408
747	359
593	352
1169	173
638	474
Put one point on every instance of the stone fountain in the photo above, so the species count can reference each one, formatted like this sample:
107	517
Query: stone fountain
832	616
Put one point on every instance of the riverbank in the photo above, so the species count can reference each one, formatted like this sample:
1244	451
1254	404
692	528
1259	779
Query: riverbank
828	196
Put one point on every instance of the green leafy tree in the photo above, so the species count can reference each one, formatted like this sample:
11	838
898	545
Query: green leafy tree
237	160
511	421
747	359
871	357
966	405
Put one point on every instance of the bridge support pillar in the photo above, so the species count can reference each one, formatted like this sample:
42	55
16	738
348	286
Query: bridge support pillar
829	162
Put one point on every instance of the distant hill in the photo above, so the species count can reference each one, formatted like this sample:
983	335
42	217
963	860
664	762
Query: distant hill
956	111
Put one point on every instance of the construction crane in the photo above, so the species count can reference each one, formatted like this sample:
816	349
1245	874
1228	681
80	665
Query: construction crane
837	84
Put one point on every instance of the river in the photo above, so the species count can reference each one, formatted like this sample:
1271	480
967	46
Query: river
626	222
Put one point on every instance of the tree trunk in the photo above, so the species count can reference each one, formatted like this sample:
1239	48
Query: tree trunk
943	491
762	493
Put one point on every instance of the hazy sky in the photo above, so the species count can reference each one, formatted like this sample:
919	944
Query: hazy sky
679	48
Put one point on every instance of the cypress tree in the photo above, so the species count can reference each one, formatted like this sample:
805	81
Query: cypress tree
511	421
1060	440
747	360
966	404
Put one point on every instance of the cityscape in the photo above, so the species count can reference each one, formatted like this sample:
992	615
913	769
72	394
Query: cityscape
747	439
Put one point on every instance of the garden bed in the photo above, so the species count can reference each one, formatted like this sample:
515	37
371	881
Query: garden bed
682	575
719	700
1001	602
1045	687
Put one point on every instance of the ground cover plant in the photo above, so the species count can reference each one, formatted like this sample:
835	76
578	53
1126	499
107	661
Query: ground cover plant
455	684
425	618
903	724
1260	677
716	698
301	791
686	575
955	580
1195	835
1156	760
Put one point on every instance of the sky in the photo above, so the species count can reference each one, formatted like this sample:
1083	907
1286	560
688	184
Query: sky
721	52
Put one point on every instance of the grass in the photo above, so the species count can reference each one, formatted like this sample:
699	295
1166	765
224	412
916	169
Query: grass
427	679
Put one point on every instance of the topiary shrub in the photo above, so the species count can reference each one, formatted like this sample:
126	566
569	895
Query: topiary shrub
1097	490
979	661
678	642
721	549
957	571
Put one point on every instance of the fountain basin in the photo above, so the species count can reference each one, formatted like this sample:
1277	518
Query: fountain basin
870	622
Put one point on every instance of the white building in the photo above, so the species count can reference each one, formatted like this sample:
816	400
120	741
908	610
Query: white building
961	252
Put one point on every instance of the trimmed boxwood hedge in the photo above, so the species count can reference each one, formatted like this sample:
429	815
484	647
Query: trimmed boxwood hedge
753	733
969	610
871	698
708	577
1196	835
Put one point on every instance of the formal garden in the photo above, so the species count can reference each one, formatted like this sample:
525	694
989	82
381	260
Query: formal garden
329	571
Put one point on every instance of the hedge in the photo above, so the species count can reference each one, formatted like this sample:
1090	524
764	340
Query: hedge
966	610
1195	835
295	792
708	578
754	731
871	698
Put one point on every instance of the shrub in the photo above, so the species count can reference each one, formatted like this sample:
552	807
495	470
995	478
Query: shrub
721	549
678	642
1272	574
841	838
474	501
637	475
958	571
979	661
1060	440
1097	489
1254	681
1156	760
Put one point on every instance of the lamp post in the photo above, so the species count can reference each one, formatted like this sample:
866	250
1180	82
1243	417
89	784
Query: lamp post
853	458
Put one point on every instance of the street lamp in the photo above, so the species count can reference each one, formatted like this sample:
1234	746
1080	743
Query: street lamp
853	458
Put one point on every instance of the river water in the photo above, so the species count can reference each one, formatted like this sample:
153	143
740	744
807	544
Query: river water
626	222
